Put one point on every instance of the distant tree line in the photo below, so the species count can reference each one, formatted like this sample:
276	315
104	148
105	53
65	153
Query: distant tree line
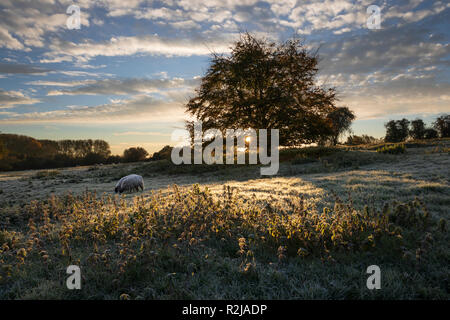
400	130
19	152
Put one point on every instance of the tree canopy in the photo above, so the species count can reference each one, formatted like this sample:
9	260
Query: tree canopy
19	152
134	154
264	85
417	129
341	119
397	130
442	125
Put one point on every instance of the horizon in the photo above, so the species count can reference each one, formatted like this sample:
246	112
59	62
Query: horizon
126	74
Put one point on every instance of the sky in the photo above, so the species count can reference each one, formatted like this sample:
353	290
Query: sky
126	73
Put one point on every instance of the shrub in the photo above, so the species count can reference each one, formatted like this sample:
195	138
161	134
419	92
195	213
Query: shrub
392	149
131	246
364	139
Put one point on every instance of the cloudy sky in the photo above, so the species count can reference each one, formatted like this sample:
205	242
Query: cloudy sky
126	73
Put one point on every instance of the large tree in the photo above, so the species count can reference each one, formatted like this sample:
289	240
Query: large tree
264	85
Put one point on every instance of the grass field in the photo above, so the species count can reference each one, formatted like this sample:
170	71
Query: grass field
225	232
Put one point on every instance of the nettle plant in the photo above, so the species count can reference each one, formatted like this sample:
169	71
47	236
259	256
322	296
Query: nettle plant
115	240
392	149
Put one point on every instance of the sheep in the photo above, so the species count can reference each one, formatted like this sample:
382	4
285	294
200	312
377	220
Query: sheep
131	182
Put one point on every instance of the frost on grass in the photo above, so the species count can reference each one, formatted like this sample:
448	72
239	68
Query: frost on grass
166	246
267	238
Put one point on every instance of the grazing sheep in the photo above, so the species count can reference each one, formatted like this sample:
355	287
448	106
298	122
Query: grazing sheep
131	182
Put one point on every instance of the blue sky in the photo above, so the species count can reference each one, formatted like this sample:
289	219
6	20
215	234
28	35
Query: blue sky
125	75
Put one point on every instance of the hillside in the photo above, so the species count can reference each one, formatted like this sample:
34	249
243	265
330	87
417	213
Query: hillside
400	203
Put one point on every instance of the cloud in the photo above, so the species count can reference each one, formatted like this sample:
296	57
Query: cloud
399	104
141	133
60	83
25	24
187	24
311	16
378	95
408	14
30	21
126	46
199	11
386	57
149	146
8	41
121	86
117	8
21	69
401	68
9	99
139	108
78	73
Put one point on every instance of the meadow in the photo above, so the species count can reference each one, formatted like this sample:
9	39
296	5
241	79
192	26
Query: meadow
225	232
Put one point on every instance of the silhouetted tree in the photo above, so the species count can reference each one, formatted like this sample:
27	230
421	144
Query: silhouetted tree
134	154
417	129
101	147
341	119
163	154
430	133
391	131
264	85
397	130
442	125
28	153
404	128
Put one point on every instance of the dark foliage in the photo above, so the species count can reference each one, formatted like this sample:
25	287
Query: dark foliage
417	129
19	152
397	130
264	85
392	149
442	125
364	139
163	154
430	134
341	119
134	154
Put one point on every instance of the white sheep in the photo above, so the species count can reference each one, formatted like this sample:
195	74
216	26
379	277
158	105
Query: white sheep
131	182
